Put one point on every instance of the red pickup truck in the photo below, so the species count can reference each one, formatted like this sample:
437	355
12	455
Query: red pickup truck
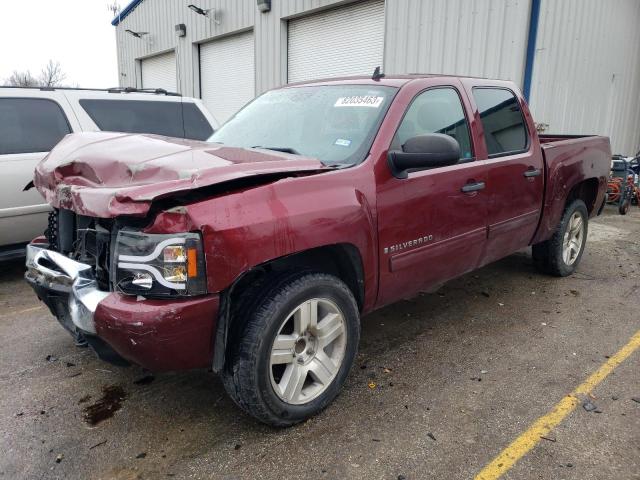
257	252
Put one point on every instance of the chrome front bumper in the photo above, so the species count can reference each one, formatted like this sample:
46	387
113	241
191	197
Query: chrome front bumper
59	274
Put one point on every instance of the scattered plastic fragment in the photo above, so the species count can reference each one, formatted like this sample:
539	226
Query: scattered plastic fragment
59	458
372	385
589	406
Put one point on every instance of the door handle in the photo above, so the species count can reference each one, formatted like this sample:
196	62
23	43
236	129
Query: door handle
473	187
532	172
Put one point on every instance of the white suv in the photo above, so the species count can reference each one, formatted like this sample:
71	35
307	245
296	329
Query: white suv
33	120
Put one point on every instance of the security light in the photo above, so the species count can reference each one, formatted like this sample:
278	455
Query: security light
199	10
181	30
209	13
264	5
136	34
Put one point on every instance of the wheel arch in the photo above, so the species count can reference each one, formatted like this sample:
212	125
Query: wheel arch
342	260
587	191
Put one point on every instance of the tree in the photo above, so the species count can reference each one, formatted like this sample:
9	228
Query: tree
50	76
21	79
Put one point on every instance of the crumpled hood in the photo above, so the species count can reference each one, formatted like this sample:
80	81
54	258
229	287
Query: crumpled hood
106	174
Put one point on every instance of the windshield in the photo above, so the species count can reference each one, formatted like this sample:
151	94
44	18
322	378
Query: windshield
333	123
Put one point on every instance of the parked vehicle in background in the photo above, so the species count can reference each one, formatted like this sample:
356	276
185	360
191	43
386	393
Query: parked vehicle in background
314	205
33	120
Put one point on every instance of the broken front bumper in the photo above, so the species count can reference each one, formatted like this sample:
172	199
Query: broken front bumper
159	335
68	280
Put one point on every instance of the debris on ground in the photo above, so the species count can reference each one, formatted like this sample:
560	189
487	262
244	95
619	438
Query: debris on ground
237	446
97	444
589	406
51	358
59	458
549	439
636	399
141	455
431	436
71	364
372	385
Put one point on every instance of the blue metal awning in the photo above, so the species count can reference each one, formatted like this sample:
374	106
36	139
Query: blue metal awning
126	11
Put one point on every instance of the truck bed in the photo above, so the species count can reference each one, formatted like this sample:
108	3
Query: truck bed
569	160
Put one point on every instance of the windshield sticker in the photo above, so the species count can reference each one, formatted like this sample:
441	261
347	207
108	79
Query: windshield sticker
343	142
359	101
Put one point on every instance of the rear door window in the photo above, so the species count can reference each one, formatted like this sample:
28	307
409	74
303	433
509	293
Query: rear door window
504	129
29	125
144	116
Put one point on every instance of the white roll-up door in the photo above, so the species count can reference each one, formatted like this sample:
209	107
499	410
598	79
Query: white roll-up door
159	71
343	41
227	74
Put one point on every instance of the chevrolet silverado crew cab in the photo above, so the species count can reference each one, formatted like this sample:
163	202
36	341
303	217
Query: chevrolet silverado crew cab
33	120
257	252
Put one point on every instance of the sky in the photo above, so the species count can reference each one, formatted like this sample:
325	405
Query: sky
76	33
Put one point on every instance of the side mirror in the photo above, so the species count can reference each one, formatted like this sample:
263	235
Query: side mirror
424	151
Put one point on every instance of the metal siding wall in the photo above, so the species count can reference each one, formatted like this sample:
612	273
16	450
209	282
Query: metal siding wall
159	17
586	73
485	38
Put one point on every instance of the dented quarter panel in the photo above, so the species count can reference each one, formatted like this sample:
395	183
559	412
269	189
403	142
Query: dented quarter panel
569	162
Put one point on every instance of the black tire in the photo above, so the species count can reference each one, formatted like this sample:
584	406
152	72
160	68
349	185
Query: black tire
547	256
623	209
247	375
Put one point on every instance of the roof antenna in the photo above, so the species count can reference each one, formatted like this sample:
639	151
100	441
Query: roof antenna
377	74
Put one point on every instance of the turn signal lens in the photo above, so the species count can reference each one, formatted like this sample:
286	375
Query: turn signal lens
192	262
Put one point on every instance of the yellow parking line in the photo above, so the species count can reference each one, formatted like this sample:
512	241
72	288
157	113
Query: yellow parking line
541	427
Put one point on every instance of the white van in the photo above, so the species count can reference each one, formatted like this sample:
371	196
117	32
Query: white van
33	120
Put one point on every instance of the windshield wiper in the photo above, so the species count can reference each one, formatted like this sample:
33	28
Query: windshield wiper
279	149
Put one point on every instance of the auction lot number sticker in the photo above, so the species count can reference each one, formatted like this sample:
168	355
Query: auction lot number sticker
359	101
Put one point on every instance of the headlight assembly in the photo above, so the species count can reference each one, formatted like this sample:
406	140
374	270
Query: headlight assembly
159	265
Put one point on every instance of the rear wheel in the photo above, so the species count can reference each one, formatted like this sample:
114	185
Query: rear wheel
561	254
623	209
296	349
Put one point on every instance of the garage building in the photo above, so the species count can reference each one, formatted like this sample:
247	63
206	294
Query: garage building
577	61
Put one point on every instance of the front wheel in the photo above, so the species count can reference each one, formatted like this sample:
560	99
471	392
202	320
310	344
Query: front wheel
296	349
561	254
